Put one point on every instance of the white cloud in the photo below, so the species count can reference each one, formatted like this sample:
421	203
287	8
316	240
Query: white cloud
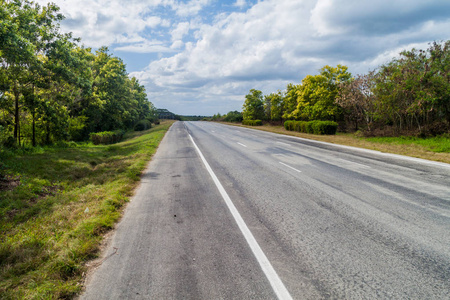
180	31
177	45
145	47
190	8
206	66
240	3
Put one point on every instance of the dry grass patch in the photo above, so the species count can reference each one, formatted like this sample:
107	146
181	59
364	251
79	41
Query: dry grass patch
436	149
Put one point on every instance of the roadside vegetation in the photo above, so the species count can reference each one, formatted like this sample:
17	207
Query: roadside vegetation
53	89
57	202
408	96
401	107
69	159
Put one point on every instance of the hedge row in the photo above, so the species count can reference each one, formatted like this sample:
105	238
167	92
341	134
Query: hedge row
252	122
314	127
107	137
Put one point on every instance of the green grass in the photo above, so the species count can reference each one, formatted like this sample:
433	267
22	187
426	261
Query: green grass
46	234
439	144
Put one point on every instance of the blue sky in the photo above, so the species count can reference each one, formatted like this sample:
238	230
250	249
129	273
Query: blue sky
200	57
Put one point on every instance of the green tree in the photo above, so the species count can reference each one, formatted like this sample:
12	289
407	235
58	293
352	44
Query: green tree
233	116
290	101
253	108
317	94
276	101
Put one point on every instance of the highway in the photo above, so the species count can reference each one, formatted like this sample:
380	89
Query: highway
227	212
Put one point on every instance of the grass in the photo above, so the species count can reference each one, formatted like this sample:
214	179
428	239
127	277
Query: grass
56	204
436	148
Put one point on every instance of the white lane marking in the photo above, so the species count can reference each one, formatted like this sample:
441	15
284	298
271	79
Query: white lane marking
285	144
290	167
242	145
275	281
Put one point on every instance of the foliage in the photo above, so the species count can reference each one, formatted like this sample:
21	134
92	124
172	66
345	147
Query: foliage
276	108
142	125
253	108
313	127
252	122
233	116
316	95
107	137
357	99
52	89
408	95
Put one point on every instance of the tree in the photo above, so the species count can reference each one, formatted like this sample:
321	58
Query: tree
233	116
290	101
357	99
253	108
276	105
316	96
51	89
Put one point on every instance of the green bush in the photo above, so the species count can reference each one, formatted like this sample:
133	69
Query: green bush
309	128
107	137
142	125
313	127
252	122
288	125
325	127
233	116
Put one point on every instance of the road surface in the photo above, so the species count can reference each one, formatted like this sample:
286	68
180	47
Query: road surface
232	213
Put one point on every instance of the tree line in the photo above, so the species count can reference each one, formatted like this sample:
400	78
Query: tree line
410	94
54	89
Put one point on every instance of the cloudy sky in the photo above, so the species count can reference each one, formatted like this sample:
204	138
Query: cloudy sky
200	57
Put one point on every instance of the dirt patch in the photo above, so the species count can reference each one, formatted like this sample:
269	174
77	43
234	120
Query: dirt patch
9	183
49	191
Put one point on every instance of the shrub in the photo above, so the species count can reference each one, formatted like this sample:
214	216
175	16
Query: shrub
233	116
252	122
314	127
309	127
325	127
107	137
288	125
142	125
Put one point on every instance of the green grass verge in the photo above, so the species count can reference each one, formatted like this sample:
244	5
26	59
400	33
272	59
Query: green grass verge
439	144
55	206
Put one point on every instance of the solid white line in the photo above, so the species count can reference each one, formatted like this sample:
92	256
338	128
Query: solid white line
290	167
275	281
242	145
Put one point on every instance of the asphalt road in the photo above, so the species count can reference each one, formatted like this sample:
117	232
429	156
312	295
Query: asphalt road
332	222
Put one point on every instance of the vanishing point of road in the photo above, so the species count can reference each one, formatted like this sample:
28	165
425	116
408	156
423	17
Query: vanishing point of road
226	212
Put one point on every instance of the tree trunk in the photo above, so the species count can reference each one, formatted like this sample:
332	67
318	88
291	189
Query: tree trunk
48	133
34	128
16	112
33	113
